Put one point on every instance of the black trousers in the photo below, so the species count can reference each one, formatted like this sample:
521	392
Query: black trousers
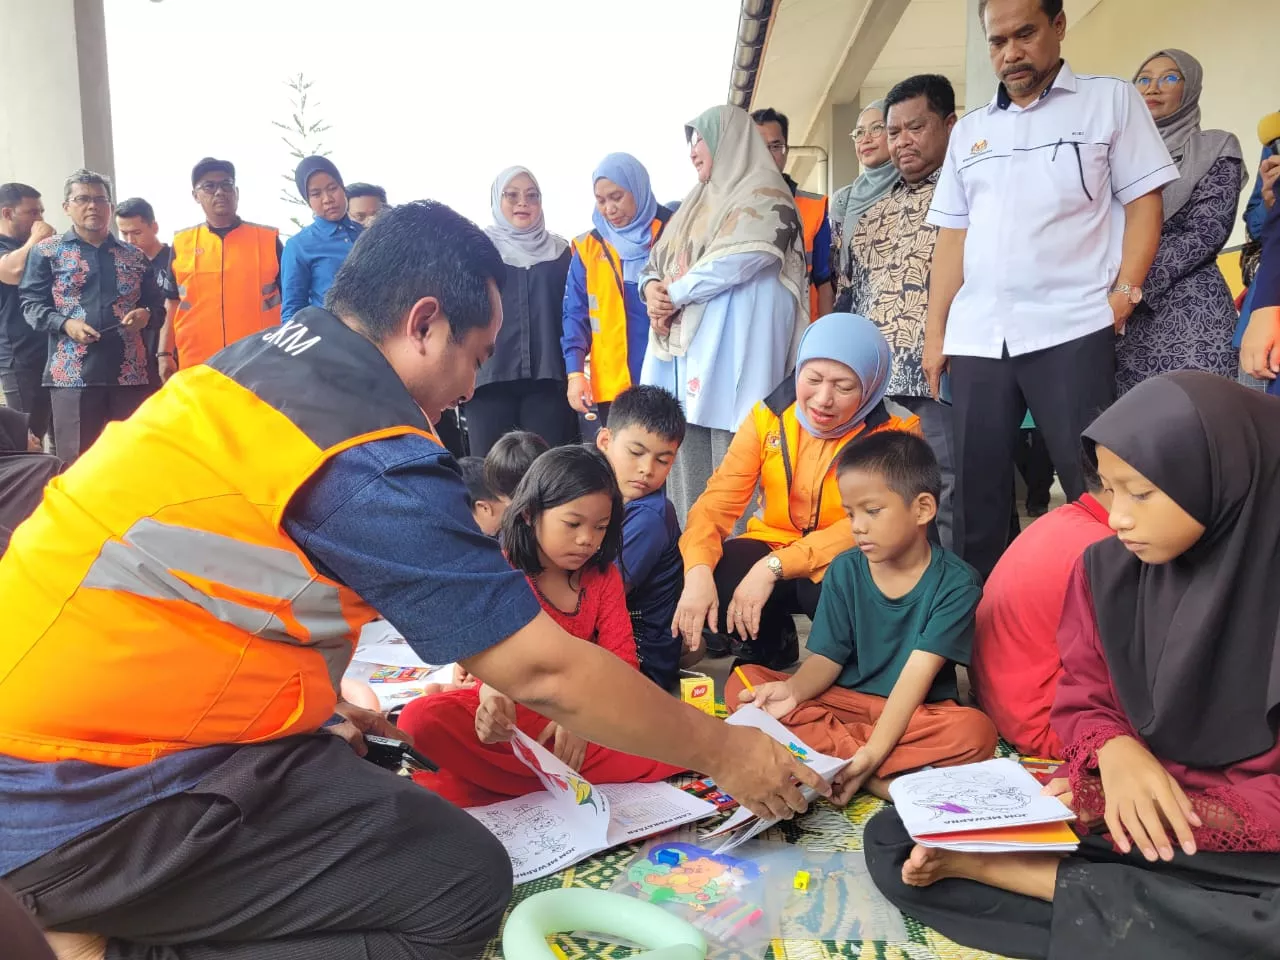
81	413
1107	905
24	393
775	647
589	428
539	406
1065	387
450	434
294	850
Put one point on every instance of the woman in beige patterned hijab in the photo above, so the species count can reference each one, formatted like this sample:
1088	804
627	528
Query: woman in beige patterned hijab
726	292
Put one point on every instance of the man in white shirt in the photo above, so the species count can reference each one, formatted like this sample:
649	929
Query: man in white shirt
1049	215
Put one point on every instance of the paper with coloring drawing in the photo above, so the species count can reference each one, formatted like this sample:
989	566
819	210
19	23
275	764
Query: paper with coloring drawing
993	806
744	824
384	660
571	819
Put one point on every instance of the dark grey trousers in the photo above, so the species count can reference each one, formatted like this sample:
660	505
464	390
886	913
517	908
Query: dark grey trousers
294	850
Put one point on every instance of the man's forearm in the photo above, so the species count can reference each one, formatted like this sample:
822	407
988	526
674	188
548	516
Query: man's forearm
1143	219
946	277
594	694
826	299
165	343
13	263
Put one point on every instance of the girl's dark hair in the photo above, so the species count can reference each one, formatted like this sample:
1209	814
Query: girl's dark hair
557	477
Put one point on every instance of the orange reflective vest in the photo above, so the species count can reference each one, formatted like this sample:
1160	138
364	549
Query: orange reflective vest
228	288
607	310
813	213
153	602
789	511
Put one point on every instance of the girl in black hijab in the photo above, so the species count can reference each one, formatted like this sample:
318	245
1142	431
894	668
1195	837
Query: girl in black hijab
1168	704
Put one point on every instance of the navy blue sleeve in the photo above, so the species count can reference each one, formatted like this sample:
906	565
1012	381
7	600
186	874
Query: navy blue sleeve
575	343
643	539
1255	211
822	253
390	520
1266	282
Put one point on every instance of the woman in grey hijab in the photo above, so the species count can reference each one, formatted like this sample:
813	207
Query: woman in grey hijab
1187	316
850	202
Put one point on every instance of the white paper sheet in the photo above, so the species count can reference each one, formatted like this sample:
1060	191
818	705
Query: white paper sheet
976	796
381	643
744	825
571	819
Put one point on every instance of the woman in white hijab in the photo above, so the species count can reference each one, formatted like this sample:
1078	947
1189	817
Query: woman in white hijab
522	387
849	203
726	291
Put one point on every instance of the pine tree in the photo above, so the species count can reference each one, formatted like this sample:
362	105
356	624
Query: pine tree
302	135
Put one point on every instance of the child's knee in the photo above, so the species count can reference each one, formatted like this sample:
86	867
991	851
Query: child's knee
976	734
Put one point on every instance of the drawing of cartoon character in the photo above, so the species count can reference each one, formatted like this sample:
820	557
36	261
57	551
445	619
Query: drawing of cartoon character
700	879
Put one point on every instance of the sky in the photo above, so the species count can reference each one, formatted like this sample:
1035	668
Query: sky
427	98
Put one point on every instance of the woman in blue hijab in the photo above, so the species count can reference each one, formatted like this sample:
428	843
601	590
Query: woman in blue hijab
752	585
604	319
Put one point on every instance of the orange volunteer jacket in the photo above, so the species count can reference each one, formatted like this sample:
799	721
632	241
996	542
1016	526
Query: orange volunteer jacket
607	310
799	512
228	287
813	213
153	602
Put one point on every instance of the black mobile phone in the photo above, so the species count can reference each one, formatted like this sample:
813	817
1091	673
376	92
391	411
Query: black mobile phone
396	755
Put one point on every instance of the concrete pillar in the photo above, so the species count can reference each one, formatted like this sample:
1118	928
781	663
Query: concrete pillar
844	158
979	82
55	115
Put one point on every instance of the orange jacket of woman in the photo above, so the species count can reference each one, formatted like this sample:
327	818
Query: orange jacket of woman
799	512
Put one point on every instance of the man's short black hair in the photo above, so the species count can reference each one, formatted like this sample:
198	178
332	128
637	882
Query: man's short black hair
649	408
83	176
510	458
1051	8
934	87
904	460
472	469
556	478
136	207
770	115
12	194
366	190
209	165
416	250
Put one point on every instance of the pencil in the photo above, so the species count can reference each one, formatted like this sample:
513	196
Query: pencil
737	672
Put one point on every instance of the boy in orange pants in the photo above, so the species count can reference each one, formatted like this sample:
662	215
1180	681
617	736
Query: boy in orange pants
895	617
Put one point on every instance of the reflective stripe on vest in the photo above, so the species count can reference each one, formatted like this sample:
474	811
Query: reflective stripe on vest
607	310
229	288
160	569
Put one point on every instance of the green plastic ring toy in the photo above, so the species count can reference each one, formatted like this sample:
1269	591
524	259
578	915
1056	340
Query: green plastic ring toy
596	911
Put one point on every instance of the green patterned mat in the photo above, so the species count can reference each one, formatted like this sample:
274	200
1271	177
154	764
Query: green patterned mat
822	829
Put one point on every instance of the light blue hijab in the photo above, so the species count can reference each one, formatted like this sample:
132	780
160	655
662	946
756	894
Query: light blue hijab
634	240
857	343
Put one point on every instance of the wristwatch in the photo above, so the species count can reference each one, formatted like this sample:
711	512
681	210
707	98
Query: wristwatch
775	566
1130	290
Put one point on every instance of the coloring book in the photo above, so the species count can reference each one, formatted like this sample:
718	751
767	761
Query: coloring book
571	819
744	824
995	806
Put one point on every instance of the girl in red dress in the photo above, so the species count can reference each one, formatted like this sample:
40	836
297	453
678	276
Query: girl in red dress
563	529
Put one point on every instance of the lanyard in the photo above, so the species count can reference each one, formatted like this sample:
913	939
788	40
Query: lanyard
805	529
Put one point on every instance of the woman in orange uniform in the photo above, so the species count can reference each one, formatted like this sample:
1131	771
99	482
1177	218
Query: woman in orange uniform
788	447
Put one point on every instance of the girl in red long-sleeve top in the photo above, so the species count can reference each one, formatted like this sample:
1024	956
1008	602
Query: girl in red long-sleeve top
563	529
1168	706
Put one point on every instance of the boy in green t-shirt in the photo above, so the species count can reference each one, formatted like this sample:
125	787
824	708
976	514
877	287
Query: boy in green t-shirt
895	617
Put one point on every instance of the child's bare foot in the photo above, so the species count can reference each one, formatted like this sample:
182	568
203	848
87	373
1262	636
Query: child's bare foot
927	865
76	946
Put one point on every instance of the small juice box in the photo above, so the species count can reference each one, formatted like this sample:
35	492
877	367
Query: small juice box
698	690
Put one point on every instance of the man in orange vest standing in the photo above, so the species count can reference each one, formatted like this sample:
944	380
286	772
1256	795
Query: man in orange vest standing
775	127
180	609
223	282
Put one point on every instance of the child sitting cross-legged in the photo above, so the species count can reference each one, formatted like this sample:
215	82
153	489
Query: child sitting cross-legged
645	429
563	529
894	619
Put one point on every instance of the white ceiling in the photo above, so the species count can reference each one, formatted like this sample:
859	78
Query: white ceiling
812	45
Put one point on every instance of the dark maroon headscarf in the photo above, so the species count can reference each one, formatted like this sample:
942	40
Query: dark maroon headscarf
1191	645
